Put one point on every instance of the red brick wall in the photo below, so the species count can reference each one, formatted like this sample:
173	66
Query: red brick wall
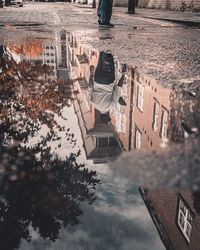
165	204
171	4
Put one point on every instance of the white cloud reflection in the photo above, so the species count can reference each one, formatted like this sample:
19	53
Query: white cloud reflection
118	220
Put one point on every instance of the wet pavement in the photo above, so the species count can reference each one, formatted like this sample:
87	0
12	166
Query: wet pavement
99	131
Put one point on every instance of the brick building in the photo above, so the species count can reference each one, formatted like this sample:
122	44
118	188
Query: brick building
180	5
174	215
193	5
121	120
150	119
99	139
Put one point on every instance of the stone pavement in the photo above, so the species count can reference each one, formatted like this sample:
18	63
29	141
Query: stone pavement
164	50
30	13
188	18
8	14
168	15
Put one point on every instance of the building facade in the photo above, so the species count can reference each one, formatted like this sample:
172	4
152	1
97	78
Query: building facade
175	217
180	5
151	108
99	139
193	5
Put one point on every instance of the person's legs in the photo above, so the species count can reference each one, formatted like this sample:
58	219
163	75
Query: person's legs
103	8
106	11
109	10
131	6
99	9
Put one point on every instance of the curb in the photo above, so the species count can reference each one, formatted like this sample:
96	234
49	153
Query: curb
188	23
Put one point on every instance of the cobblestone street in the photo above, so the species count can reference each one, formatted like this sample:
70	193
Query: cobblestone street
99	127
142	40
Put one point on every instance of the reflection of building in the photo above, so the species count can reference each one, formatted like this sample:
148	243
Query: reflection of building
175	218
149	116
62	55
143	122
99	140
170	4
150	113
122	117
49	57
184	113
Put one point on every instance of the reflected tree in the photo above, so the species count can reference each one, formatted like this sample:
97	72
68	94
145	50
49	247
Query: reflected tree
38	191
185	117
184	113
30	97
43	194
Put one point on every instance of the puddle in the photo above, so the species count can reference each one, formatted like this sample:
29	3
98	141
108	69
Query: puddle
22	24
67	112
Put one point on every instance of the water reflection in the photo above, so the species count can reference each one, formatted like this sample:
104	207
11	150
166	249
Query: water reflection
176	216
120	109
140	114
39	191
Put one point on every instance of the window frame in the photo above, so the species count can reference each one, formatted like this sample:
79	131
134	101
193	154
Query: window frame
156	112
164	123
140	97
138	139
184	219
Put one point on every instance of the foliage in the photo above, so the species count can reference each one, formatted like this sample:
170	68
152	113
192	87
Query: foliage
38	190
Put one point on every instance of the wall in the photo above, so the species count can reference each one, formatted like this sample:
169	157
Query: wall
148	122
171	4
164	203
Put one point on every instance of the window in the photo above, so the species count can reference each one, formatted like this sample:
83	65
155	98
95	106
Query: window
140	97
102	142
155	115
164	122
138	138
121	120
185	218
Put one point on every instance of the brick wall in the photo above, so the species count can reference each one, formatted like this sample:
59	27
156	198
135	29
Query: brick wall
165	204
193	5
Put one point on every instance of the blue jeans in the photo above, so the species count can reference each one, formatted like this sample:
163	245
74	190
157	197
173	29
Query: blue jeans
104	11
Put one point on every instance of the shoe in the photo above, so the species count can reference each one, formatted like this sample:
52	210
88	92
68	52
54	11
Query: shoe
109	25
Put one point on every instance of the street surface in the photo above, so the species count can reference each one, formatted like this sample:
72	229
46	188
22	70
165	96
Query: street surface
167	51
73	176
